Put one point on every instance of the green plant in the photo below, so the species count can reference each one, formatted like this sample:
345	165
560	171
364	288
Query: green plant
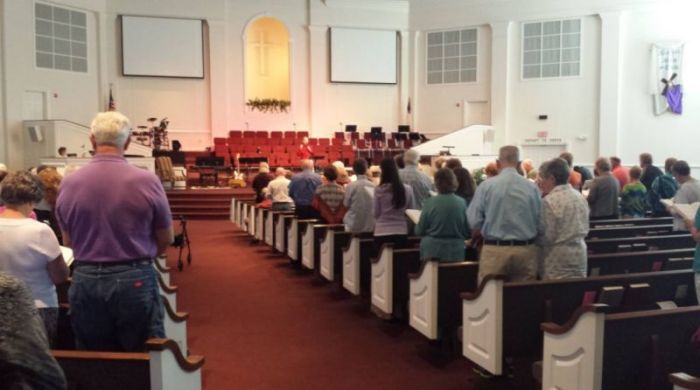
269	105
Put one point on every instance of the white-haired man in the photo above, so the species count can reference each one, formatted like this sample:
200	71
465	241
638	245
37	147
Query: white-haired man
116	218
278	191
506	211
415	178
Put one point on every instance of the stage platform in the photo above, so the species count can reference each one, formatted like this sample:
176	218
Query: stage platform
205	202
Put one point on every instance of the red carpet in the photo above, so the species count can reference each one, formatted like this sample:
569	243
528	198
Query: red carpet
263	325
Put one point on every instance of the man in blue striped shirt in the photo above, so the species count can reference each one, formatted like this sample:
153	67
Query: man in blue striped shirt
505	212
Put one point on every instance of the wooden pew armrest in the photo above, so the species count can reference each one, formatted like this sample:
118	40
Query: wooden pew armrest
165	287
471	296
174	316
333	226
684	381
556	329
160	268
188	364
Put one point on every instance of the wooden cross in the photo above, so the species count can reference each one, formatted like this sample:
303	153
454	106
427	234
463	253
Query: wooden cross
262	46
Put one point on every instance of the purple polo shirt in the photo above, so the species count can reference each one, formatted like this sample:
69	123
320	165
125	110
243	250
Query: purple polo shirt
111	210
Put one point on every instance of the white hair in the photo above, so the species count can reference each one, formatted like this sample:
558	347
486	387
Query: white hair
110	128
264	167
411	157
3	168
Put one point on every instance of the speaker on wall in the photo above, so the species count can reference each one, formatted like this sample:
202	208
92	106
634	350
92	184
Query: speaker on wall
35	133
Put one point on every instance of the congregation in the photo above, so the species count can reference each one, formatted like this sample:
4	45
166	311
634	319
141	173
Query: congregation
521	222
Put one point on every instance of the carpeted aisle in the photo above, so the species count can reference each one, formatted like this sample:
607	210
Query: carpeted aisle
263	325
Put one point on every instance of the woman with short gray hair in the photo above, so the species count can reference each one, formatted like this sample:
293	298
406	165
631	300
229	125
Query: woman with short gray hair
443	221
29	249
564	221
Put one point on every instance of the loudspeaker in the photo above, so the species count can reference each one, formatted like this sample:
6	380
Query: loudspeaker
35	133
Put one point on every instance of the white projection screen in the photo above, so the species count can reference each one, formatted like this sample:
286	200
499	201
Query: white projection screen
363	56
162	47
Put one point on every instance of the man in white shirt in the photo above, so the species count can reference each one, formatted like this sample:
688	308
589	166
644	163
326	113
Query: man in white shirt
278	191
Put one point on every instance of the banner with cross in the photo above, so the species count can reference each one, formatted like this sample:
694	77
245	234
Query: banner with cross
666	77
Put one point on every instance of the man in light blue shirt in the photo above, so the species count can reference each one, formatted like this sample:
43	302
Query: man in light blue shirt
505	212
413	177
359	201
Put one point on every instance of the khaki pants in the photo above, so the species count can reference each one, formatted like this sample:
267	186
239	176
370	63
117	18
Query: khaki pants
518	263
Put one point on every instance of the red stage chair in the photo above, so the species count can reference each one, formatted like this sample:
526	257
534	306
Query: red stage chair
261	134
302	134
290	134
219	141
324	141
235	134
276	134
249	134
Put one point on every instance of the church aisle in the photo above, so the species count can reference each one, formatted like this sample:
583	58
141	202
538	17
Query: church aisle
263	325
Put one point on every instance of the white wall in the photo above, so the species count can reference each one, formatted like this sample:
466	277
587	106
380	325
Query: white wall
641	131
70	95
608	105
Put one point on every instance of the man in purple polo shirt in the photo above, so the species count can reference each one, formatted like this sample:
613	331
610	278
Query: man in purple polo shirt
116	218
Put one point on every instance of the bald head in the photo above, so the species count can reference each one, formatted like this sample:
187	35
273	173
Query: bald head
411	157
280	171
508	156
307	164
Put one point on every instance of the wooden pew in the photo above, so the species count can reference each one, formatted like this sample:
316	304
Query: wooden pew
629	231
683	381
168	291
163	270
282	224
331	253
259	223
311	243
610	245
294	238
631	221
502	319
356	263
390	279
162	367
434	295
635	350
269	227
634	262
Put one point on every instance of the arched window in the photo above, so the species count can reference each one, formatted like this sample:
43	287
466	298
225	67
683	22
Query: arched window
267	60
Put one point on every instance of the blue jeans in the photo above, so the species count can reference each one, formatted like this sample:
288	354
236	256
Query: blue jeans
115	308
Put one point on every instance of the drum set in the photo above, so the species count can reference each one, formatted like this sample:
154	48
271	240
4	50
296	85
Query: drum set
154	135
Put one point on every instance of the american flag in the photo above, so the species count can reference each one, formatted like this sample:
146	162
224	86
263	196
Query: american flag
112	104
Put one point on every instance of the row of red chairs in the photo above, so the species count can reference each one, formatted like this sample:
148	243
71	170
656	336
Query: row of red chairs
265	134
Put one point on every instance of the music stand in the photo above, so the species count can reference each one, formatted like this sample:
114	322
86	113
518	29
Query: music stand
351	128
404	128
414	136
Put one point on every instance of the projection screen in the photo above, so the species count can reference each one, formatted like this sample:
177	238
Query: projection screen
363	56
162	47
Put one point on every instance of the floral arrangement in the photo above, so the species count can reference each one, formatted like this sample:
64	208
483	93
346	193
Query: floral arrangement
269	105
479	175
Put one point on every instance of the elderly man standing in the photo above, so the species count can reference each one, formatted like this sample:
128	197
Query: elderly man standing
688	192
604	194
506	211
302	188
278	191
116	218
414	178
359	201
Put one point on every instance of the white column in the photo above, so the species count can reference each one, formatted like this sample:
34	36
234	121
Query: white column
318	76
500	81
404	78
217	79
610	83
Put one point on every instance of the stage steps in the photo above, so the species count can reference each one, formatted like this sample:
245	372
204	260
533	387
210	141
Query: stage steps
205	203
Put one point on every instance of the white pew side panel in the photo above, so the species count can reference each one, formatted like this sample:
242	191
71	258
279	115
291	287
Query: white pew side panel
280	234
292	235
482	328
423	293
166	374
326	256
574	360
307	247
382	281
351	267
269	228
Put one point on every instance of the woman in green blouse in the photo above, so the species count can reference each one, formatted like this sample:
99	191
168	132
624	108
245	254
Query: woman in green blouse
443	221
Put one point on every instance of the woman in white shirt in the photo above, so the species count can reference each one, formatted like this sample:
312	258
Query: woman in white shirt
29	249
